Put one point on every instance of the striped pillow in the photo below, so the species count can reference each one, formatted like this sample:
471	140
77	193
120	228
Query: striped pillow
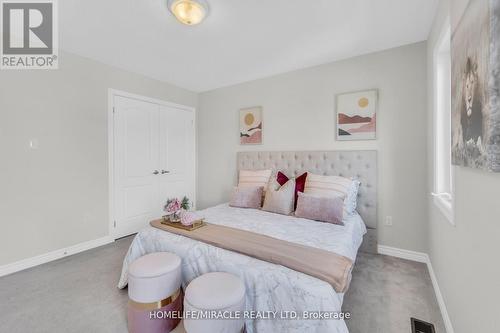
334	186
252	178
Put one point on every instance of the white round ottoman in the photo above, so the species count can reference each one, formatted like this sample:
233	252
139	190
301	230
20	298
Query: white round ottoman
220	292
154	290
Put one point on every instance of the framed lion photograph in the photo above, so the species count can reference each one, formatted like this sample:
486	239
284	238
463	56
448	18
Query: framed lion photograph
475	72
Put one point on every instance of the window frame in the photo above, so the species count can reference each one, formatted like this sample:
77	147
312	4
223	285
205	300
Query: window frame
443	200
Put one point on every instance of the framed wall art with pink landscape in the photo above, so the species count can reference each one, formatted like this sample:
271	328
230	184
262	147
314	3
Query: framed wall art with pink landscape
251	126
357	115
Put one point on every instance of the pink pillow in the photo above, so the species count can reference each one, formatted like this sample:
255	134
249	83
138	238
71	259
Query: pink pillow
324	209
247	197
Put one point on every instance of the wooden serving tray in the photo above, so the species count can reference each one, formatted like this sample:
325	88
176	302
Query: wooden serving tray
178	225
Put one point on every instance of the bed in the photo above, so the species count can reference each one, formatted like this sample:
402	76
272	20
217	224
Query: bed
272	287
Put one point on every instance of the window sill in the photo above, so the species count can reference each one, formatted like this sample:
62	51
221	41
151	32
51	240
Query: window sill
445	206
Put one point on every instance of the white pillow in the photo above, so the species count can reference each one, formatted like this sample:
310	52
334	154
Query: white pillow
334	186
351	201
280	199
252	178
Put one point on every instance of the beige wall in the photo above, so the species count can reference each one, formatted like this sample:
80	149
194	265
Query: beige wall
465	256
299	115
57	196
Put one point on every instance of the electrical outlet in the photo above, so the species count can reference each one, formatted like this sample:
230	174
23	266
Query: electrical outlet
34	144
388	221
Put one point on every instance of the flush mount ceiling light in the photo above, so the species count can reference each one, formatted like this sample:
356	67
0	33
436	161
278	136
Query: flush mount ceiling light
190	12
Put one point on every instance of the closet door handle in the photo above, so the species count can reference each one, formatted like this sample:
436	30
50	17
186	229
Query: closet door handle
156	172
164	172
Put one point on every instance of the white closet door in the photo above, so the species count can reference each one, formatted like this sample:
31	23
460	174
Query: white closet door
136	164
177	149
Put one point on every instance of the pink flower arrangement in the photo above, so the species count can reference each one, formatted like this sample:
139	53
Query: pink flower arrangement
173	206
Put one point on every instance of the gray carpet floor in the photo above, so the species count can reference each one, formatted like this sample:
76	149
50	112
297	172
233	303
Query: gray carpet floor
79	294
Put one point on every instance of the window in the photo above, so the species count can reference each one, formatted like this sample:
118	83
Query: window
443	172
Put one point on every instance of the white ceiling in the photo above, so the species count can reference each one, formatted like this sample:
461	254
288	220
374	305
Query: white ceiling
240	40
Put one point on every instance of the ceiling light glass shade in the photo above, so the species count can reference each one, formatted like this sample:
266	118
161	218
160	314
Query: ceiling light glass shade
190	12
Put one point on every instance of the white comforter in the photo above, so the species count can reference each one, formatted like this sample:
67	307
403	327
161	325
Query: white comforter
269	287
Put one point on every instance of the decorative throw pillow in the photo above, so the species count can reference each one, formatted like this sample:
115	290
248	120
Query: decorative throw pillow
300	183
279	199
334	186
252	178
247	197
324	209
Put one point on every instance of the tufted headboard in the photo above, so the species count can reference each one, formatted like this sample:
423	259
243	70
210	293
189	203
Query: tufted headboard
350	163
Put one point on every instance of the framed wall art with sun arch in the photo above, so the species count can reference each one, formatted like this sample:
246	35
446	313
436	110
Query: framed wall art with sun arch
356	115
251	126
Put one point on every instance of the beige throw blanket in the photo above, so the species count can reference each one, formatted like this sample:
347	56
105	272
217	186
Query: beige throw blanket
327	266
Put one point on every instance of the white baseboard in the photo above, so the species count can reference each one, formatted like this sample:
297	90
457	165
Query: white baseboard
403	254
442	306
54	255
423	258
